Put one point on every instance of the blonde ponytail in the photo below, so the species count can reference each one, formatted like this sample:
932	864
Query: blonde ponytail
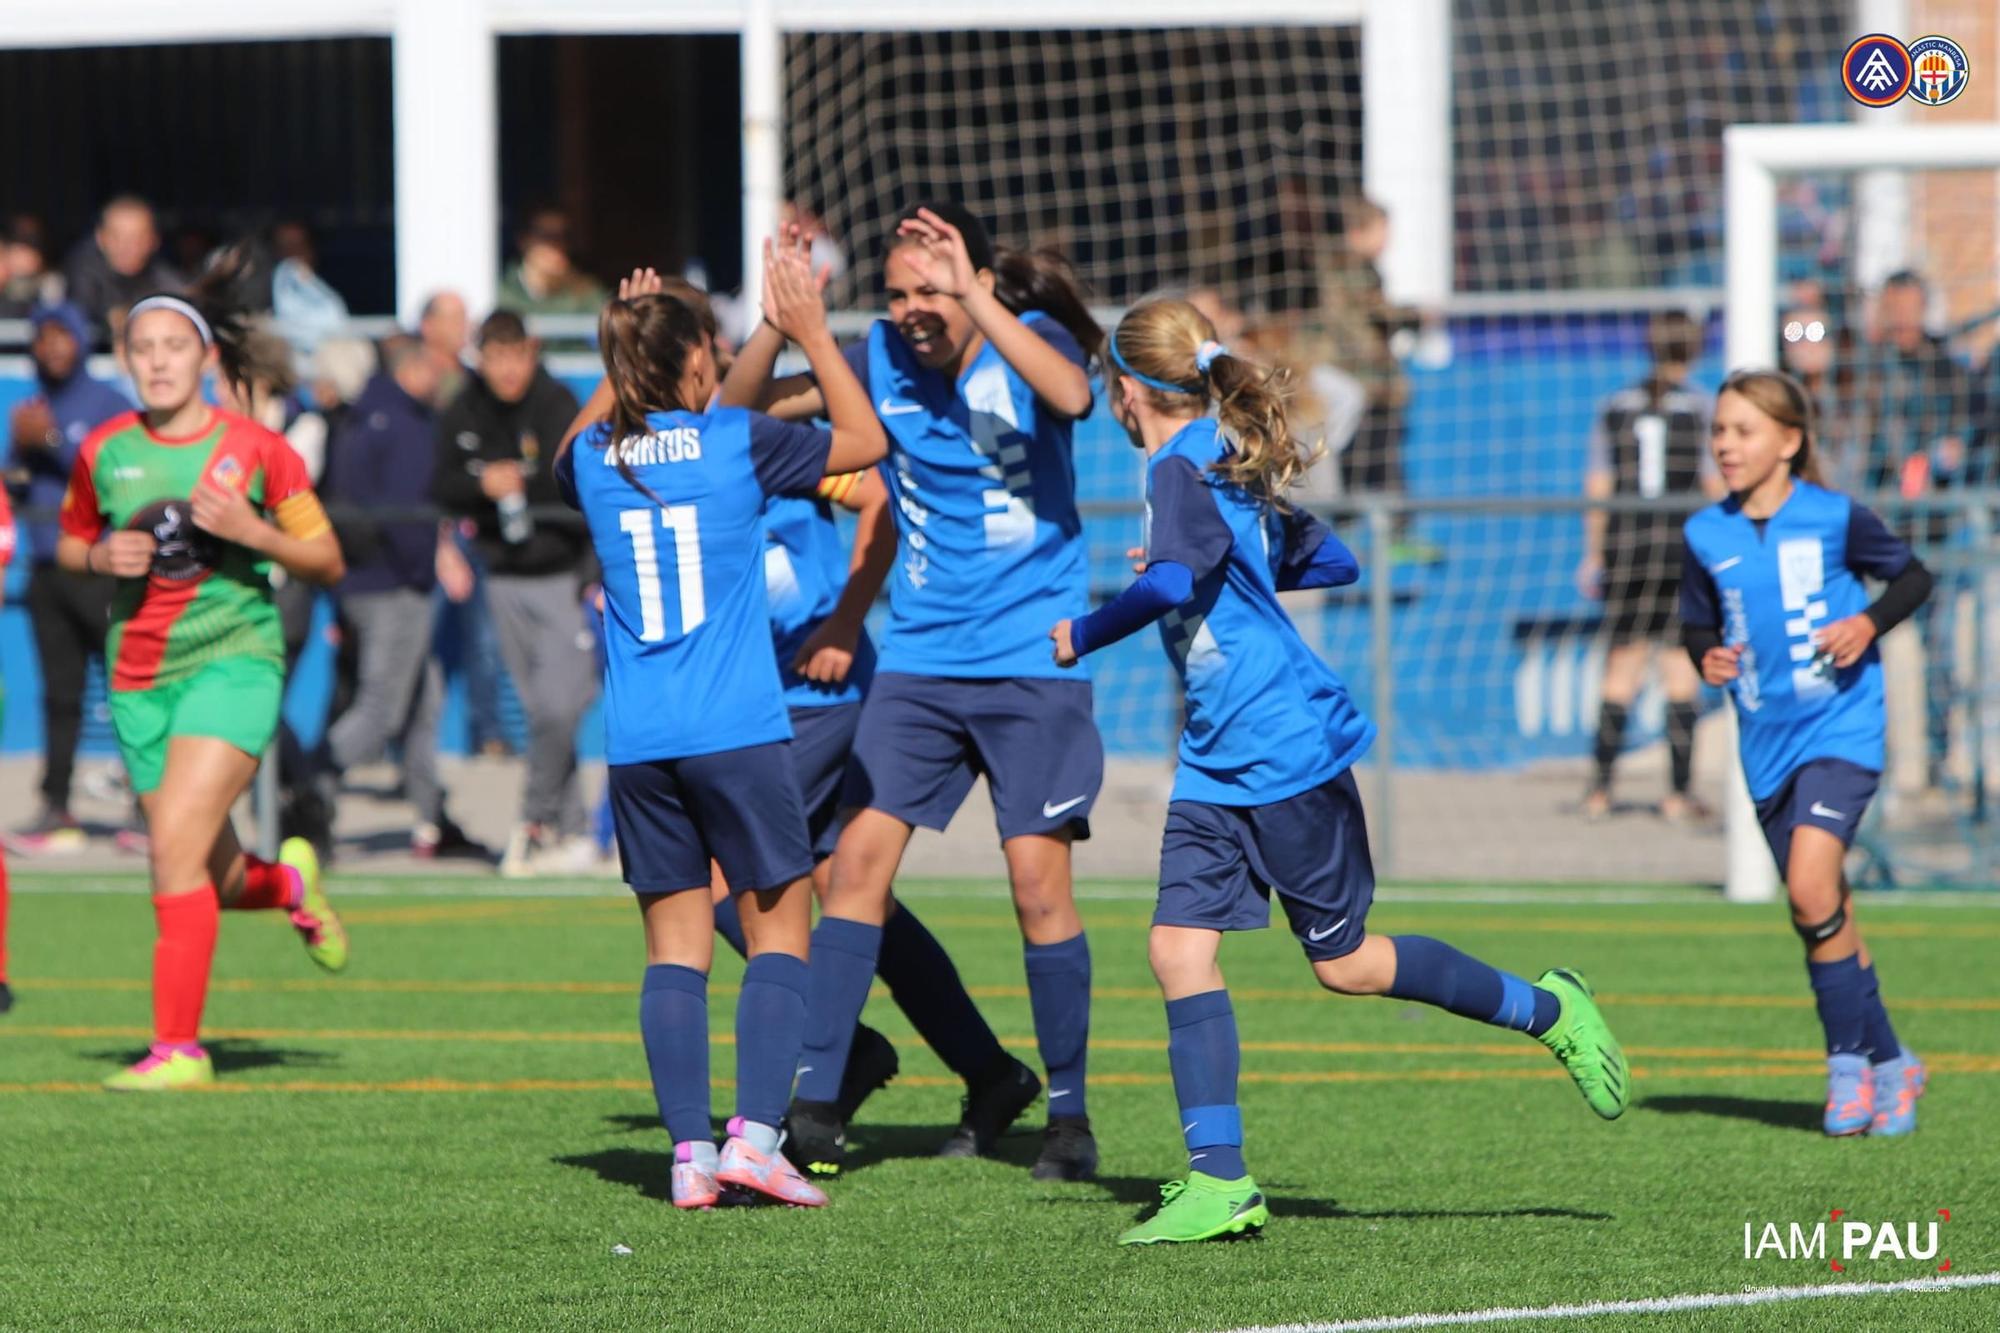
1169	347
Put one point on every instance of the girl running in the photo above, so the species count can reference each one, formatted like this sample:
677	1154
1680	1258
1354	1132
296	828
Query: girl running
977	376
1263	799
674	493
190	506
1773	609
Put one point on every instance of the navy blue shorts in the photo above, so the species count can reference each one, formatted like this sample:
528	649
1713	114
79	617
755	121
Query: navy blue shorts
740	807
1829	794
822	738
1220	863
923	739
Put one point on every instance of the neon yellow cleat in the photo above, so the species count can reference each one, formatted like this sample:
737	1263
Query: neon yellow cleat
325	938
166	1069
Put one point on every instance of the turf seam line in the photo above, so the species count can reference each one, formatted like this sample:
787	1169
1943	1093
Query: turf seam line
1653	1305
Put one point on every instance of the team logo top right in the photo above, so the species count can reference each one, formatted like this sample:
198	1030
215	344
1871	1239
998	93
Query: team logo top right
1880	71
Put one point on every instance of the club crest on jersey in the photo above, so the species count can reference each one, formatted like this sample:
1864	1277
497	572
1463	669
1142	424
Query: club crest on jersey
227	471
1939	70
1876	70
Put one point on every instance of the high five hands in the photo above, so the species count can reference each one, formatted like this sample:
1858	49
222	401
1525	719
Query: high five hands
794	300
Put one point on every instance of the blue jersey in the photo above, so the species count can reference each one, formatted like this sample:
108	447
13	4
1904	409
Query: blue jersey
990	548
1768	588
805	571
689	667
1266	718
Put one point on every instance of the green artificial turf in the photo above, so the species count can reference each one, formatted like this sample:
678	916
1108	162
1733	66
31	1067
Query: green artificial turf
459	1131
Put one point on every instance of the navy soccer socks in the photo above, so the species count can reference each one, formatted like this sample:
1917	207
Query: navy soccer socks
1432	972
1203	1051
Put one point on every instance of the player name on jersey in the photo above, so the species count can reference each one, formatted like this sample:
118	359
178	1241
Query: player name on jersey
679	444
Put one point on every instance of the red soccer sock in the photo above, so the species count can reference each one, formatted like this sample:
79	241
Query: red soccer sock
3	918
182	956
267	886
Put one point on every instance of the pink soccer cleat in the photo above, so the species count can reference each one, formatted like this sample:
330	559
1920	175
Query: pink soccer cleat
768	1174
694	1185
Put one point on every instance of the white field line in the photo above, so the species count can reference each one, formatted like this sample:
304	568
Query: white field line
1657	1305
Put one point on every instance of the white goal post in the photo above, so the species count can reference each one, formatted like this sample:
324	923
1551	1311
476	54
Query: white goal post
1754	157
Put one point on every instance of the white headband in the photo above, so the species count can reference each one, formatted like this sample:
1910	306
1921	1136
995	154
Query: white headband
179	307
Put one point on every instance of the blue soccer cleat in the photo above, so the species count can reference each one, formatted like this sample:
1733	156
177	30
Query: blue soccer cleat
1850	1095
1898	1084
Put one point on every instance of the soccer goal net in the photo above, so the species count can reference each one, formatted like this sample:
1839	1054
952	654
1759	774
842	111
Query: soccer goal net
1587	212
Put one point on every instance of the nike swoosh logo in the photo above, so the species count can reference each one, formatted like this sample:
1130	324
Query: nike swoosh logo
1051	811
1189	1126
805	1069
889	409
1317	935
1059	1092
1826	813
1731	563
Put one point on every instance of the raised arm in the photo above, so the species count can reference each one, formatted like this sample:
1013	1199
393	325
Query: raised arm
794	306
942	261
750	383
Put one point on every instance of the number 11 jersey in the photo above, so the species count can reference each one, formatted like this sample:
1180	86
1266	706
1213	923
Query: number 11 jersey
689	666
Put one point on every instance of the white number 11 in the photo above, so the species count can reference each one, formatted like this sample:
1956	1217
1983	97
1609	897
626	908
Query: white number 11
684	522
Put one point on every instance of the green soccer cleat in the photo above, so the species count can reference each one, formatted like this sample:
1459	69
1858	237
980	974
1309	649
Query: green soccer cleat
1582	1040
1201	1208
320	930
166	1069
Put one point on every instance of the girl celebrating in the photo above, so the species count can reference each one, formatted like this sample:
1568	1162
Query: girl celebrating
1263	799
976	376
1773	610
674	494
819	595
190	506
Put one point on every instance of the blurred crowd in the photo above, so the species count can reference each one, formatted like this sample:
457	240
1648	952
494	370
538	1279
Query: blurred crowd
447	417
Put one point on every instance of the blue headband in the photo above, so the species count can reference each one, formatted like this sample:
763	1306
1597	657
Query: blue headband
1162	385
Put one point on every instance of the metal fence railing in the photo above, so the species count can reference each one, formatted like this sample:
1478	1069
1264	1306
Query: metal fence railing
1469	643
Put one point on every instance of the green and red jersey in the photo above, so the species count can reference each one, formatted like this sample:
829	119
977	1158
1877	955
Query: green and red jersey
205	599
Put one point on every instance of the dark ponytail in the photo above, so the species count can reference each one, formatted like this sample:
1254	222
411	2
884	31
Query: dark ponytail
645	342
248	353
1043	280
1673	338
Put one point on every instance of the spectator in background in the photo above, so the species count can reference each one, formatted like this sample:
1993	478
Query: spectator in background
1915	401
119	262
1356	322
1809	349
545	280
307	310
444	327
1915	410
384	457
495	453
25	279
70	612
